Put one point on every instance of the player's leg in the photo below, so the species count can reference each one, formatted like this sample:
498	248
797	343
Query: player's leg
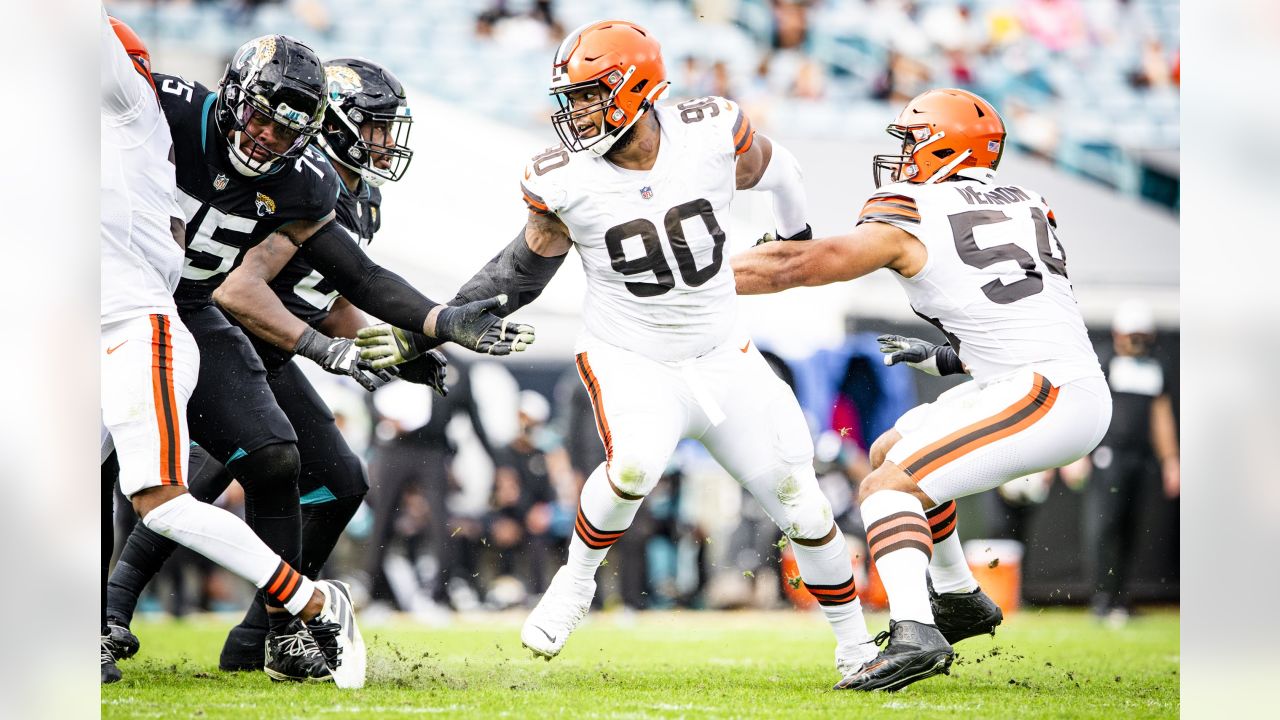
764	443
968	441
960	608
234	416
640	416
145	552
156	361
331	486
110	468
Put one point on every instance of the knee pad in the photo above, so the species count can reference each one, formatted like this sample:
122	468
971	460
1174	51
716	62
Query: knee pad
635	474
806	512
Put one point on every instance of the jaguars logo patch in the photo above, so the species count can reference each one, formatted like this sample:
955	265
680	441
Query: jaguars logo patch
266	206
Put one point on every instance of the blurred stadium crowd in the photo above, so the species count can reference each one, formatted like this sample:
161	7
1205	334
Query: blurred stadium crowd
1090	84
473	496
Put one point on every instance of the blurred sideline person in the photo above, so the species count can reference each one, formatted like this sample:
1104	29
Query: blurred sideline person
982	263
642	191
1142	442
331	482
150	363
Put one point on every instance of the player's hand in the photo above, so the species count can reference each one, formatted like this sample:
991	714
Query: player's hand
427	369
371	379
805	234
383	346
475	328
339	356
913	351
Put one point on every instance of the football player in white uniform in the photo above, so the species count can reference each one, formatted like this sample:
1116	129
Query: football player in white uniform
982	262
150	362
641	190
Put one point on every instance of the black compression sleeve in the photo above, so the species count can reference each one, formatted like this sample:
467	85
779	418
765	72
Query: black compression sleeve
948	361
368	286
517	271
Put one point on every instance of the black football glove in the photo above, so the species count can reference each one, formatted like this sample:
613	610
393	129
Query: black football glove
475	328
805	234
920	354
340	356
427	369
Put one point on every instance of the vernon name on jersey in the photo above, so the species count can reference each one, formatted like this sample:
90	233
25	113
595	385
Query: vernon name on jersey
652	243
995	281
227	213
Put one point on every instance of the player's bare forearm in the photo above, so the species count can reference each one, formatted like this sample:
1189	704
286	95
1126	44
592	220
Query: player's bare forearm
247	295
344	320
256	306
771	267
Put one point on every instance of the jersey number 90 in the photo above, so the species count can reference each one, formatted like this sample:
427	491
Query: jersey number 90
655	261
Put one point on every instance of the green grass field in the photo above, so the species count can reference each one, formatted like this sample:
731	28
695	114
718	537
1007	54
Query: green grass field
1043	664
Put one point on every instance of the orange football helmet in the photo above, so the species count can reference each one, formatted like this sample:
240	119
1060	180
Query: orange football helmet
942	132
136	49
621	60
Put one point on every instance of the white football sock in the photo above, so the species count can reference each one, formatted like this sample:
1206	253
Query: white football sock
602	518
827	572
226	540
900	544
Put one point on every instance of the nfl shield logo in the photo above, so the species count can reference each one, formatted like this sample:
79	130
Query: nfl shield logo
646	192
220	182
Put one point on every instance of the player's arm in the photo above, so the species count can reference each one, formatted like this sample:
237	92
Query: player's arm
766	166
1164	439
344	319
386	295
122	91
519	272
776	266
246	293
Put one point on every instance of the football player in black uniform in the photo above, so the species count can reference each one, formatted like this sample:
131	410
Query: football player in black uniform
246	169
365	135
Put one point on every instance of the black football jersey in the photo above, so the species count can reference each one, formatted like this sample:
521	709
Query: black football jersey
226	212
303	290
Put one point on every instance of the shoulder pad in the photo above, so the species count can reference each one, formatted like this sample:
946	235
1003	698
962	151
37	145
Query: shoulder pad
720	117
891	206
541	179
318	185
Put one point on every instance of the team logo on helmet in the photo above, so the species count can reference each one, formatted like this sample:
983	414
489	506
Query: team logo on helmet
266	206
258	54
342	81
220	182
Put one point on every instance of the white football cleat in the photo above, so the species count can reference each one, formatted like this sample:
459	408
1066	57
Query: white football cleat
336	633
560	610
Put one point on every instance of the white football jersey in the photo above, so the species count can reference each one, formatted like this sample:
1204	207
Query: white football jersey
652	242
141	262
995	282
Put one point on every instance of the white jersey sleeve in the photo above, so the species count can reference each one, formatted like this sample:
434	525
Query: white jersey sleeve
141	260
995	281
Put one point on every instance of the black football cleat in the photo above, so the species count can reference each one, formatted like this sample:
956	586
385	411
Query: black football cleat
961	615
124	644
110	673
293	656
915	651
243	649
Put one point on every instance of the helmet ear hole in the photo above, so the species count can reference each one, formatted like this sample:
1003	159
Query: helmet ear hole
944	153
639	87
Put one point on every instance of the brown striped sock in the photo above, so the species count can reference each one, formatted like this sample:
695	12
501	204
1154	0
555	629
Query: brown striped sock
900	544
